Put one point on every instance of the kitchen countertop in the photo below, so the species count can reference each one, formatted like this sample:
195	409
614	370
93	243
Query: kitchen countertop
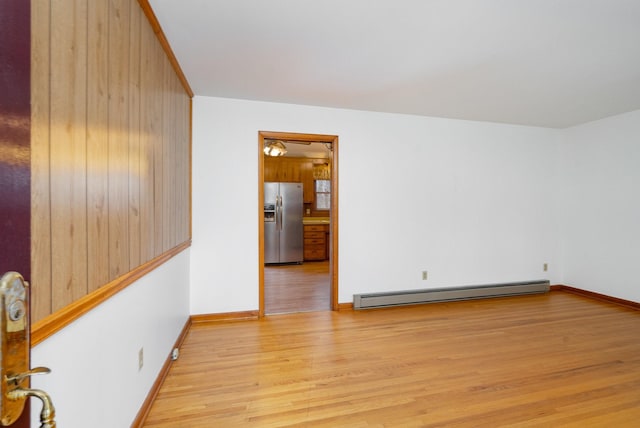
315	220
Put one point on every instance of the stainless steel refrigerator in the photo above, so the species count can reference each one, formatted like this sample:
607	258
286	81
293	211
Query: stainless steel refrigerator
283	232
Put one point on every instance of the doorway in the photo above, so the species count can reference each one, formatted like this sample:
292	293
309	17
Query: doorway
308	275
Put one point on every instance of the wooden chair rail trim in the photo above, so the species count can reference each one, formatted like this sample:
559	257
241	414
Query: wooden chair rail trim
225	316
141	417
55	322
157	29
596	296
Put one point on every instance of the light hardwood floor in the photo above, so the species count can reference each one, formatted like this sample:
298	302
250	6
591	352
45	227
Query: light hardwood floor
297	288
531	361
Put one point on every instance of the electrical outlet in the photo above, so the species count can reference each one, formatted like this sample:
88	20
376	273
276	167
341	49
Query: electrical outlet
545	267
424	275
140	358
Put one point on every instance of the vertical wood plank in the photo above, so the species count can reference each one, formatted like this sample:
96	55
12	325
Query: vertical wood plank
98	143
184	174
181	171
172	161
68	151
175	162
177	173
158	153
40	196
118	65
186	182
134	136
166	155
147	131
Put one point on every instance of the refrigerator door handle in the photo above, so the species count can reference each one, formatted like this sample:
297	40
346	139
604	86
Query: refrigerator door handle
279	212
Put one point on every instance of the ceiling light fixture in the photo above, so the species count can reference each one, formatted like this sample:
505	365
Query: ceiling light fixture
274	148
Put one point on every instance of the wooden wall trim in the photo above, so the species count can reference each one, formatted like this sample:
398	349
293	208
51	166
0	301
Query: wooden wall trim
190	168
261	138
345	306
141	417
153	20
55	322
596	296
293	136
225	316
323	138
335	305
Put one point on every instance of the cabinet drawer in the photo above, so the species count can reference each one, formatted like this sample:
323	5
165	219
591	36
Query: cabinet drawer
315	241
315	247
314	235
314	253
314	228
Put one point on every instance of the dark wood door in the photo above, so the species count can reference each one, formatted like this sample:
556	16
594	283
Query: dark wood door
15	131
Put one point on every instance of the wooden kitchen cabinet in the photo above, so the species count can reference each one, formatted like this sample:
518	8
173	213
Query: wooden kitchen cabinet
315	241
282	169
306	173
294	170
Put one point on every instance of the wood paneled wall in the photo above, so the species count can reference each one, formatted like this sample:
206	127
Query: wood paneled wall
110	148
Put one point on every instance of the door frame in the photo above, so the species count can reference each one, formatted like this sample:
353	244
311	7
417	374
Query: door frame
15	153
333	214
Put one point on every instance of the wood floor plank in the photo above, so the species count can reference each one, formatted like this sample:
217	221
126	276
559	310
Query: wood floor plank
547	360
297	288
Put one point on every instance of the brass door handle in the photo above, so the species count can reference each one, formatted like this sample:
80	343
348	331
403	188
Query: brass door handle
48	412
17	378
14	361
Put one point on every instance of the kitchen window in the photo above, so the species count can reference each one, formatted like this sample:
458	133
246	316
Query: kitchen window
323	195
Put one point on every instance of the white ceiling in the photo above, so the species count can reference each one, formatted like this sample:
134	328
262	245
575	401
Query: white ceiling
551	63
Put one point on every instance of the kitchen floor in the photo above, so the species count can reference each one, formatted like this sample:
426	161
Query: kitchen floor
297	288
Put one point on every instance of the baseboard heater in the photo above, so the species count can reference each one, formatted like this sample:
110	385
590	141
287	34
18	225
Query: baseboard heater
413	297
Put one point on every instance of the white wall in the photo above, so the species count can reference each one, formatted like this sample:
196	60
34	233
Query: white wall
94	361
470	202
601	206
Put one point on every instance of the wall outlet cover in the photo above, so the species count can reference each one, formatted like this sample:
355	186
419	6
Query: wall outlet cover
140	359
